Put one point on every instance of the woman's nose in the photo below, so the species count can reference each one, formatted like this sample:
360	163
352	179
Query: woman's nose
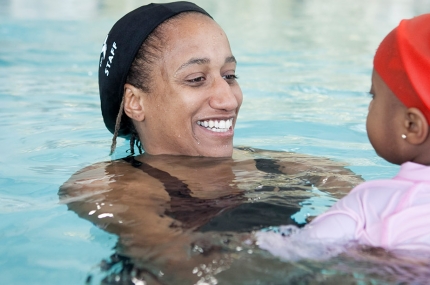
223	97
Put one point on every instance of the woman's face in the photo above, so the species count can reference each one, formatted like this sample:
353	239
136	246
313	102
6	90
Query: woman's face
195	98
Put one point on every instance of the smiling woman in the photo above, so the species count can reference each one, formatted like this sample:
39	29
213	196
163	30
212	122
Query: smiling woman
193	84
167	81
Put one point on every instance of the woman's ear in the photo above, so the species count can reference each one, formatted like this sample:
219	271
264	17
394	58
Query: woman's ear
133	102
417	128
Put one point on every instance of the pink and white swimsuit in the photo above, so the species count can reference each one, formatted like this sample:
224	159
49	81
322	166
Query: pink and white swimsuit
392	213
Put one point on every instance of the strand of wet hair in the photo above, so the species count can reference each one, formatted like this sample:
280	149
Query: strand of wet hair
117	126
132	139
139	145
135	141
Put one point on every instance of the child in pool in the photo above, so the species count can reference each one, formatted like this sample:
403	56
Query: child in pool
393	213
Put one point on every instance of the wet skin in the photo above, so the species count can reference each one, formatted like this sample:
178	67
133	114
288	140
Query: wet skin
159	224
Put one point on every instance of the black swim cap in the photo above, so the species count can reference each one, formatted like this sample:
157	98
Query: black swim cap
120	48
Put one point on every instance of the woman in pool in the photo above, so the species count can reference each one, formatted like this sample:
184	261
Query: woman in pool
167	81
393	213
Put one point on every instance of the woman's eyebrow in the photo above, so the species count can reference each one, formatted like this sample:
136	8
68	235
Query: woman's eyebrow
194	61
204	61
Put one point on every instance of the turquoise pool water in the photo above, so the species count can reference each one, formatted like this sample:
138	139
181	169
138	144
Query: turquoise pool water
304	68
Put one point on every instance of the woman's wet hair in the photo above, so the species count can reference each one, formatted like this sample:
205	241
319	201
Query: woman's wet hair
140	76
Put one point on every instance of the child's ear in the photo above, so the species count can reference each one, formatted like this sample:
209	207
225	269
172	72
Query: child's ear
417	128
133	102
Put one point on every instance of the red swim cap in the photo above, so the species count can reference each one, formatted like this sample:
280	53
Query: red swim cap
403	62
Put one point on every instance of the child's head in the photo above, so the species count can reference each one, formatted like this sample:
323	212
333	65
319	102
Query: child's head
399	114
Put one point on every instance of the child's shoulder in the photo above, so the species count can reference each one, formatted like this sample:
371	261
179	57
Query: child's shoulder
414	173
380	185
386	193
409	175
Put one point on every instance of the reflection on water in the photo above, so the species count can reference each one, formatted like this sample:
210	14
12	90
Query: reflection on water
304	67
169	212
239	262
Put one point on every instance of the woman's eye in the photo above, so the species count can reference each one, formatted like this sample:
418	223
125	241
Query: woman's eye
372	95
197	79
230	77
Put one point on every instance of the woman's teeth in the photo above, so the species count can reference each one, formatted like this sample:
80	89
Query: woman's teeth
219	126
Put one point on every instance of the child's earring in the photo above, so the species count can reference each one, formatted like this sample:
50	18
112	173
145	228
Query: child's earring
403	136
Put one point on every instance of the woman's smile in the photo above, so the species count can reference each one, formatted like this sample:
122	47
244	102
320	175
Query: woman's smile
217	125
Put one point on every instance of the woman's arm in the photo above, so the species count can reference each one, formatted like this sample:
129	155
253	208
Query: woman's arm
325	174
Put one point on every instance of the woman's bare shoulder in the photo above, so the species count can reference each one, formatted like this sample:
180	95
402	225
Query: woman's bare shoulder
100	177
324	173
296	162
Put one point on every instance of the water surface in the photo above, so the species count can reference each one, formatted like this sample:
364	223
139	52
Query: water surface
304	68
